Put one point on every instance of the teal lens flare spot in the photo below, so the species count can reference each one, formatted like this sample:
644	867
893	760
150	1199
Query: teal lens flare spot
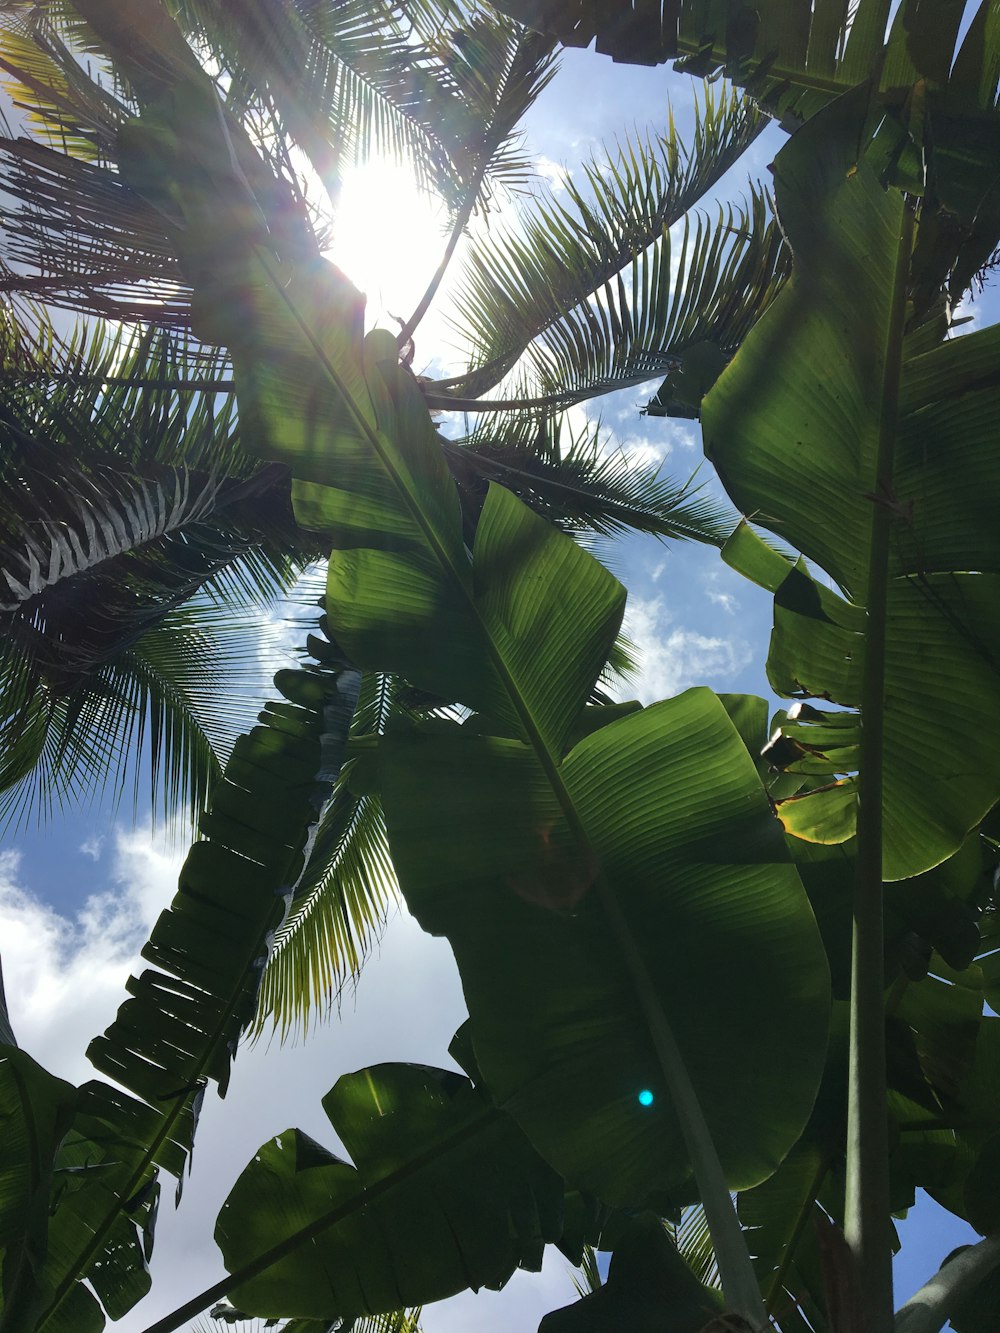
645	1097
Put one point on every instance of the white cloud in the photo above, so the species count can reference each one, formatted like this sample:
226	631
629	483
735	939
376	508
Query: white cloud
673	658
641	451
65	977
93	846
970	311
684	436
556	175
726	600
717	595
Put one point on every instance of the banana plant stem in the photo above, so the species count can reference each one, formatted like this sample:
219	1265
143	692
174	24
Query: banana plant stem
935	1302
866	1225
739	1281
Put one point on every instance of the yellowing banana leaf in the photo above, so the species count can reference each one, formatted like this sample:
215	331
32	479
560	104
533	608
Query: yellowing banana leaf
826	814
942	704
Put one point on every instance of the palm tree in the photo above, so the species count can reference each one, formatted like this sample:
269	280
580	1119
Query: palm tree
447	86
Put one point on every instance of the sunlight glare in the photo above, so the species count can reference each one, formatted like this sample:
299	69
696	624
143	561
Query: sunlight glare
388	237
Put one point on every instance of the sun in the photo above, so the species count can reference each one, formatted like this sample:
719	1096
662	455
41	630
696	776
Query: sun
388	237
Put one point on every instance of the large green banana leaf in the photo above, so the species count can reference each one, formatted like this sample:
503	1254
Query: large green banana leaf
65	1157
820	381
662	811
492	633
36	1109
181	1024
445	1193
519	633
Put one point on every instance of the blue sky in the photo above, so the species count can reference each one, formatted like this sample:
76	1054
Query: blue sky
77	898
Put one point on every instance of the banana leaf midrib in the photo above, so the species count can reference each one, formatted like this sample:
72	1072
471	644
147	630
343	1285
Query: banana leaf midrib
417	513
527	479
549	761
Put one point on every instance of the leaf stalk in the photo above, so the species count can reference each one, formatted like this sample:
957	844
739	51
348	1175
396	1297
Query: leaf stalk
867	1203
935	1302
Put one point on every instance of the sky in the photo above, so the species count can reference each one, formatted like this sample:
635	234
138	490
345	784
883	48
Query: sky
77	899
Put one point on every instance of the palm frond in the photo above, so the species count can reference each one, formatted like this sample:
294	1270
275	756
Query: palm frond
518	283
103	391
87	520
578	481
694	1242
344	894
725	274
115	511
80	239
157	721
67	106
342	80
501	69
588	1278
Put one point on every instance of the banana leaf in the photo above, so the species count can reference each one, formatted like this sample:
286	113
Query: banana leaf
647	1280
774	414
936	76
519	633
184	1017
678	831
445	1193
36	1109
795	56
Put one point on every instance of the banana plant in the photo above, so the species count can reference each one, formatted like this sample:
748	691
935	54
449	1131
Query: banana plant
867	512
615	857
